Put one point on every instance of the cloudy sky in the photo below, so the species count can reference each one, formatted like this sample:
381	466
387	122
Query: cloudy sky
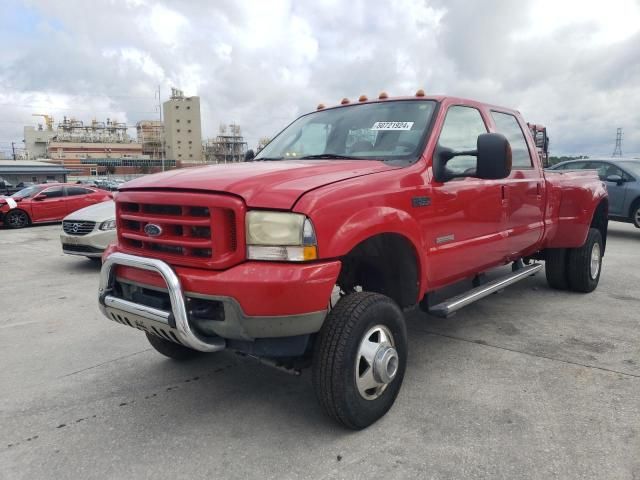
571	65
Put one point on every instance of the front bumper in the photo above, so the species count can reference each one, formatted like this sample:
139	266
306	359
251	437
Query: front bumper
92	244
174	323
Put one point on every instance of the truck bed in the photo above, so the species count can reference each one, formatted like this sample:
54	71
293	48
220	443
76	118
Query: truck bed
571	196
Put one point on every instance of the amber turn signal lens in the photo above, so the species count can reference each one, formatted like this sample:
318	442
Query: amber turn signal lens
310	253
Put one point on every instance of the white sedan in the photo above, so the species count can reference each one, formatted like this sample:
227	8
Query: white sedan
90	230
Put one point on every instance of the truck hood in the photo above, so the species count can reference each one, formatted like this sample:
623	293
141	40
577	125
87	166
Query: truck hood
271	184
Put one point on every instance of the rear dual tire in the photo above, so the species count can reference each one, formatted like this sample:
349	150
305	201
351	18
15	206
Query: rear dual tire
576	269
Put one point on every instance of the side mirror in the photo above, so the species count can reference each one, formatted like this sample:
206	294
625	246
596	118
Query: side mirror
615	179
249	156
494	159
40	197
494	156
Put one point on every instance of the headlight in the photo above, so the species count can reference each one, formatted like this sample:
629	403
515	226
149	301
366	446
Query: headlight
108	225
280	236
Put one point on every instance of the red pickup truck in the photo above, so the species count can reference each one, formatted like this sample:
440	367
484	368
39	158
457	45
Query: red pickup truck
309	252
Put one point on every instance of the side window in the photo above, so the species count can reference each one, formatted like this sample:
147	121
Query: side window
605	169
508	126
575	166
53	192
72	191
460	131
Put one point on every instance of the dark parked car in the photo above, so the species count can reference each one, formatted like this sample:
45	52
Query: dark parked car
623	182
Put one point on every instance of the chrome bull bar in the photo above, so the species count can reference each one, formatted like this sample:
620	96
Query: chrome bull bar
176	321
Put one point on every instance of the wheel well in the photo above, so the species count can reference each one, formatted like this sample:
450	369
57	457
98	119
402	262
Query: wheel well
386	264
600	221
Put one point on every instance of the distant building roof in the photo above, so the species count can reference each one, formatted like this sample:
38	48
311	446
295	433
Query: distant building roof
28	166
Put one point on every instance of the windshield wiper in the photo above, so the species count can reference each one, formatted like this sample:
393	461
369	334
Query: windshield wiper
328	155
266	159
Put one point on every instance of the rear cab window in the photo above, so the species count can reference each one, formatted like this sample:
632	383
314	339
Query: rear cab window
507	124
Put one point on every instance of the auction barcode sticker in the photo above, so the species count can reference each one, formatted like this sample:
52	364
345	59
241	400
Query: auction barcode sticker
392	126
11	202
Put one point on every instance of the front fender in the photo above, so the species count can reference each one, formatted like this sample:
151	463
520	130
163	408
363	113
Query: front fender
368	223
335	241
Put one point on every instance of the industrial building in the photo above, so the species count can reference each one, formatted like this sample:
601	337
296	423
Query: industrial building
183	132
37	139
77	147
150	135
99	148
228	147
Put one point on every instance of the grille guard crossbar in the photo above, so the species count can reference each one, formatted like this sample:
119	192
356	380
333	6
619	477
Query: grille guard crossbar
177	319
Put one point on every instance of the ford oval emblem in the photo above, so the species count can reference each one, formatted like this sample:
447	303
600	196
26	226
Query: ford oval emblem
152	229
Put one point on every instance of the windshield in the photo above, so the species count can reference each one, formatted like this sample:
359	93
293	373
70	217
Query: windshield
27	192
632	167
392	130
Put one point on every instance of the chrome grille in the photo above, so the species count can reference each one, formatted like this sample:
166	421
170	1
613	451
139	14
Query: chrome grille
77	227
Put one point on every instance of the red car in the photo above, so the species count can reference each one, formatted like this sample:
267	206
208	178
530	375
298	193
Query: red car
47	203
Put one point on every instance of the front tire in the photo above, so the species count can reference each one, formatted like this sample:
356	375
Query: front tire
585	263
635	214
17	219
360	359
172	350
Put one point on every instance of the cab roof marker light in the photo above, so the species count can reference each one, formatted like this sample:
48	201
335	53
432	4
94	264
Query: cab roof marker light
345	101
320	106
420	93
383	96
363	98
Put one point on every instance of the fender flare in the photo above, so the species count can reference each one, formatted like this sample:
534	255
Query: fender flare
374	221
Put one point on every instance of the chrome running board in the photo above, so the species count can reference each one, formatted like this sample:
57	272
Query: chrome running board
453	304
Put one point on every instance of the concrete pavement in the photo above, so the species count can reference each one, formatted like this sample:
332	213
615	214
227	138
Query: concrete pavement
530	383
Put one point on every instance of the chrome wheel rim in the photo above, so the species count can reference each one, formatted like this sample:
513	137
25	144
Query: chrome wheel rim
377	362
595	260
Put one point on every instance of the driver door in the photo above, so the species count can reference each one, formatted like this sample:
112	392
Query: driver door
51	207
466	230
